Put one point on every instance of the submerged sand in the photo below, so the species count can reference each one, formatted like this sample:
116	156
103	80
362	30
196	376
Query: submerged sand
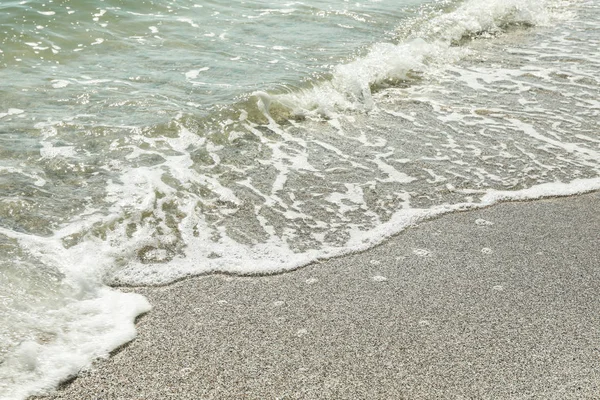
498	303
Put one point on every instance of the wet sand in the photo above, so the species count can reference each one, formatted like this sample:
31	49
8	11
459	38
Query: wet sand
498	303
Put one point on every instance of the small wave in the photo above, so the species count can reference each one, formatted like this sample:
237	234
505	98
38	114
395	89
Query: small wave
428	44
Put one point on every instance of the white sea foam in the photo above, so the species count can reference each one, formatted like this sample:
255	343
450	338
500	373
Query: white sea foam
36	178
424	51
193	74
276	256
79	320
142	196
81	331
12	111
60	83
50	151
424	125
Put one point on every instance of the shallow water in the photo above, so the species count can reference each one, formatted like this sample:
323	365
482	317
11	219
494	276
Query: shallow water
142	143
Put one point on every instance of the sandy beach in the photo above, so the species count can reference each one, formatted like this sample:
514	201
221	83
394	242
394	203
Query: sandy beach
497	303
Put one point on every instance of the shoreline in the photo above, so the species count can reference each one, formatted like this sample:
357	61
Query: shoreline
497	302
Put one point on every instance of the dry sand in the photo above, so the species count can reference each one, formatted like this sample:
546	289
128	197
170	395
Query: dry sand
499	303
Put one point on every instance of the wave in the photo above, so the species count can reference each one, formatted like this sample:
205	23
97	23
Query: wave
423	46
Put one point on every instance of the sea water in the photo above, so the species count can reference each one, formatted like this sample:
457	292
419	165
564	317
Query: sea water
145	141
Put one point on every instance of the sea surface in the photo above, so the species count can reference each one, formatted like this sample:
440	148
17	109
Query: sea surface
142	142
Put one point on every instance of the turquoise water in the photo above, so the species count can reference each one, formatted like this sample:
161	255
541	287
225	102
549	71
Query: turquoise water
143	142
178	55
